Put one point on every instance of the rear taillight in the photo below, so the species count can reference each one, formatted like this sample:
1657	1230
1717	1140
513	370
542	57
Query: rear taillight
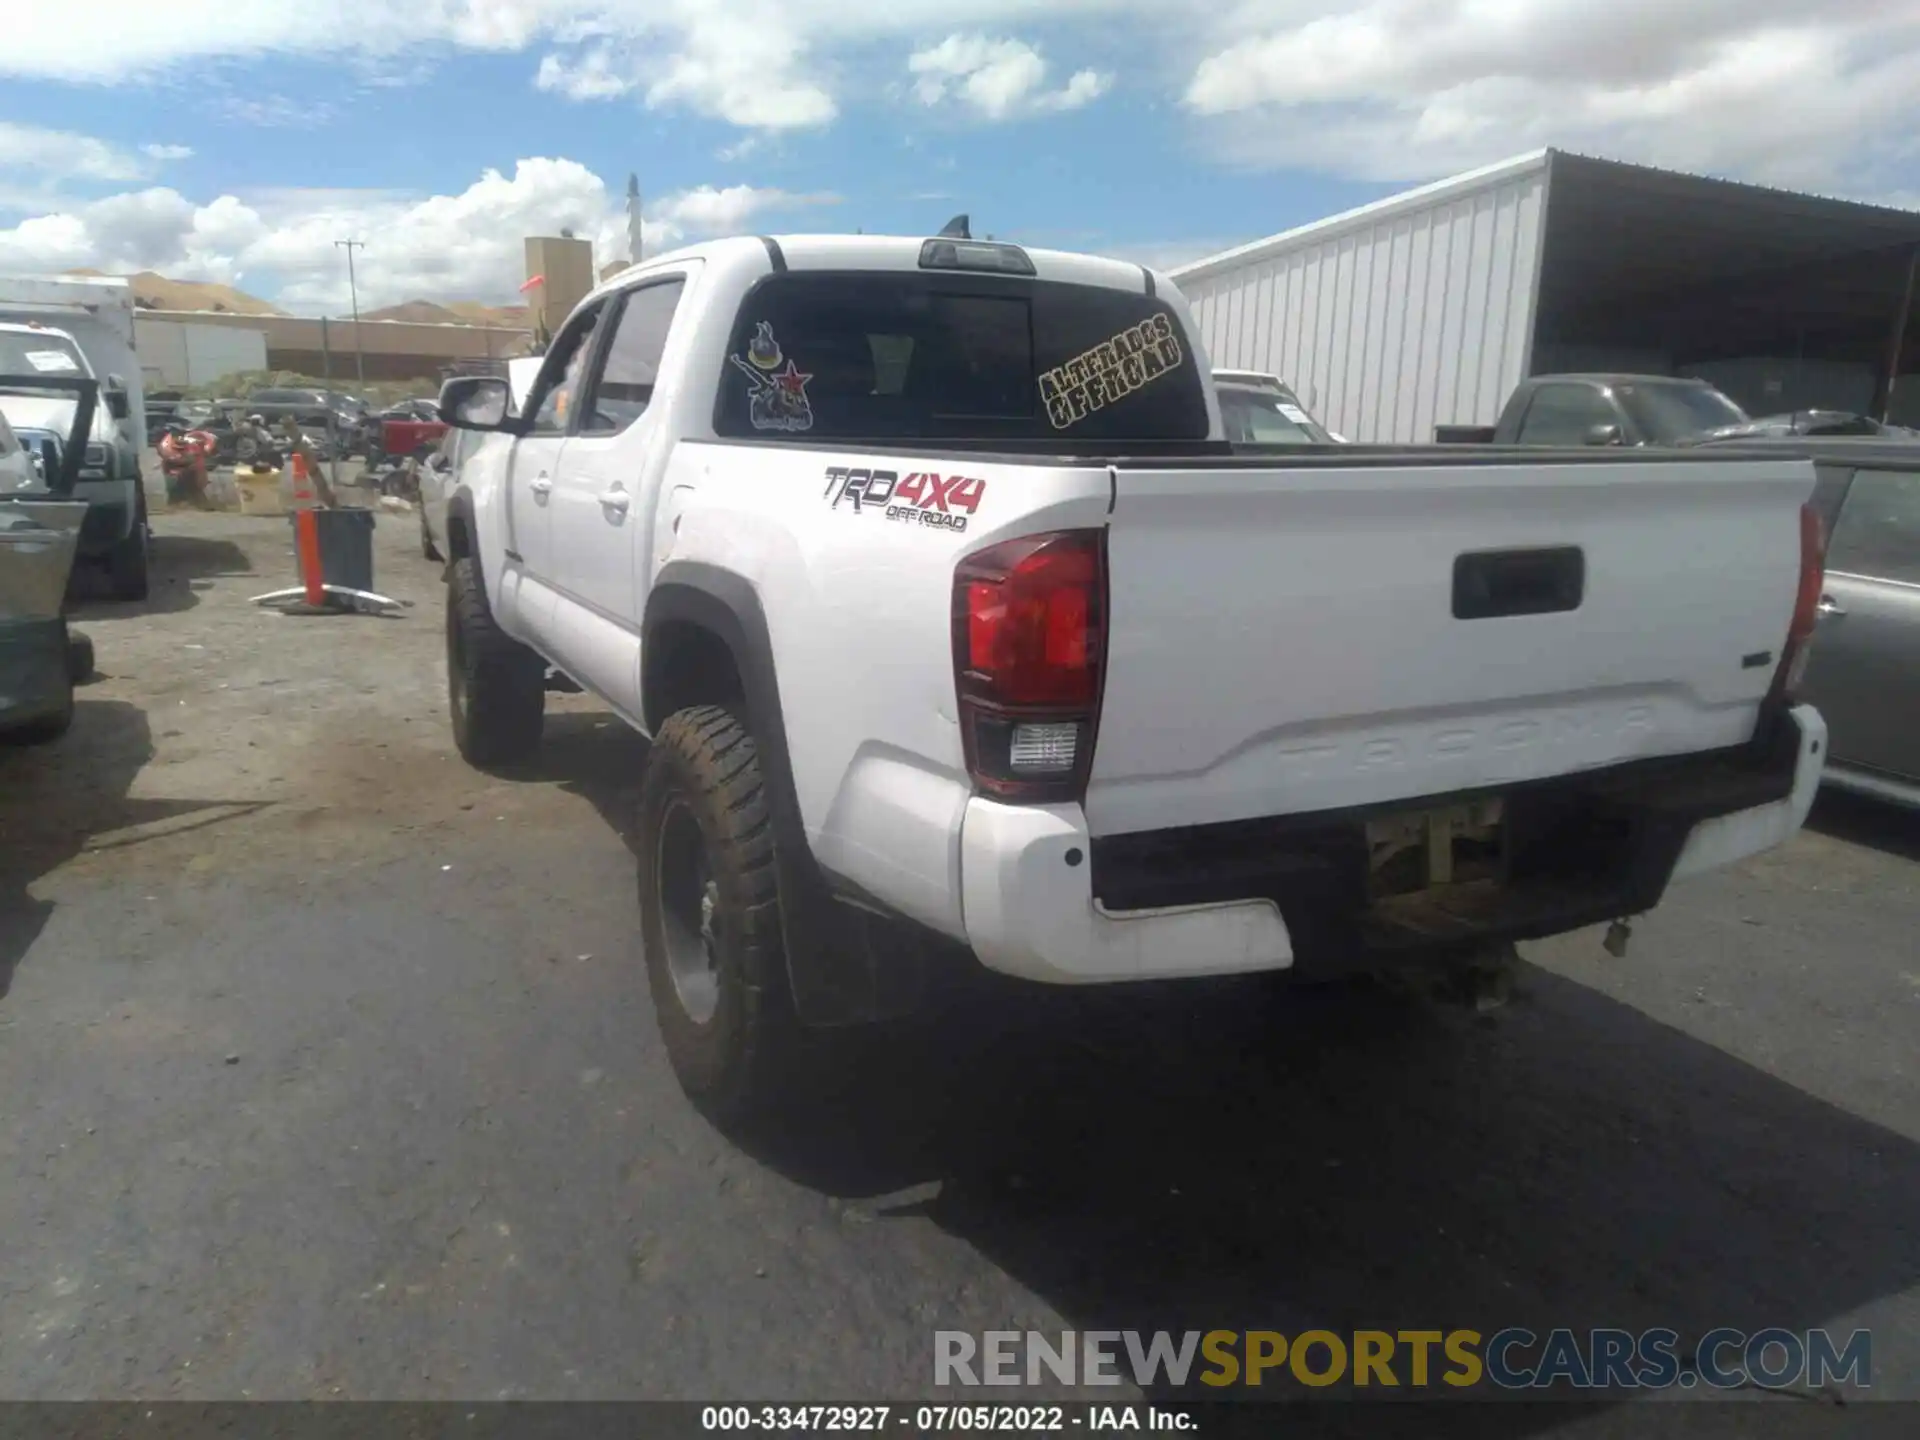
1806	605
1029	642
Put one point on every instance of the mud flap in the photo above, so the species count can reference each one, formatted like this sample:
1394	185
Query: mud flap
847	965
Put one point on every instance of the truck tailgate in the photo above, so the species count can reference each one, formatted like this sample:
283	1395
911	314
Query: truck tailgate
1284	639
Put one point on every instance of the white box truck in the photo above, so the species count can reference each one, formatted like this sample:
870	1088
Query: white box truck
92	315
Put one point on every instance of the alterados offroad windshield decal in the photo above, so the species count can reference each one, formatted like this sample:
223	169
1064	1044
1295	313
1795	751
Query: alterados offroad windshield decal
1110	371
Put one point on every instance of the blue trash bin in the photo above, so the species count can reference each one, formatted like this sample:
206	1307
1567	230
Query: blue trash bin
346	548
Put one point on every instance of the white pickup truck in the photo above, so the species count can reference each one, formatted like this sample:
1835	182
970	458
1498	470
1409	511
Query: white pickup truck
958	627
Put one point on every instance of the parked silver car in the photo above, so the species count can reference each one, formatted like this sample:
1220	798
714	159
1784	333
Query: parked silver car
1261	409
1864	669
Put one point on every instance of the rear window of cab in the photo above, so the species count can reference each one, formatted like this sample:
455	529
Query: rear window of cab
945	356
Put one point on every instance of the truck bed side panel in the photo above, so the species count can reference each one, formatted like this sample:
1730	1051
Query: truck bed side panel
858	602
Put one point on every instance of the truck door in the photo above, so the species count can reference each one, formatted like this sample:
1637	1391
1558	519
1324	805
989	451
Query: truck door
603	498
1864	669
535	462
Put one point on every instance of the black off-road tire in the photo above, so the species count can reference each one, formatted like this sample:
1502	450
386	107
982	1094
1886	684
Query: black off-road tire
496	689
80	660
44	730
127	561
703	767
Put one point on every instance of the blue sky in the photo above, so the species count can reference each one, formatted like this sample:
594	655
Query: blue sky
235	139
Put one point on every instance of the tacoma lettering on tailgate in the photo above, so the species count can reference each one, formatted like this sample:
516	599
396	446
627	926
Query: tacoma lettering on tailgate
1583	730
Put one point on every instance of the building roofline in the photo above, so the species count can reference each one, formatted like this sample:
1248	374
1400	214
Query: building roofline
1451	188
242	318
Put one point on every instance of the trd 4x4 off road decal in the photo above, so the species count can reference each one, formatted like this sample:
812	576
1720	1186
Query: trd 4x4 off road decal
776	397
1110	371
942	502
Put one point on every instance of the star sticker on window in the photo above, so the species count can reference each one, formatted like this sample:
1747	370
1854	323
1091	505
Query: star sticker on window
792	382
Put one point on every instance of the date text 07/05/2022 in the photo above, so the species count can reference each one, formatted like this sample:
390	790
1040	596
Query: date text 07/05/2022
942	1419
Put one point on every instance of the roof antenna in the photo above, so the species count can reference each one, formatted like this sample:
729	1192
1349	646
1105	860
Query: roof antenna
956	229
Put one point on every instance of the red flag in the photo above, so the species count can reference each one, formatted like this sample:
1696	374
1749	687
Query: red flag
533	281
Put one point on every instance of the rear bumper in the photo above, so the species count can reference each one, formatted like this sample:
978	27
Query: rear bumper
1030	910
1722	840
1046	901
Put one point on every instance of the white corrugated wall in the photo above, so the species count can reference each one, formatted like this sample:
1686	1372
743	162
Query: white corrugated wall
183	353
1409	313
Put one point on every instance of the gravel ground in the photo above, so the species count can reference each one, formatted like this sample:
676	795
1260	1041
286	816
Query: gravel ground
329	1071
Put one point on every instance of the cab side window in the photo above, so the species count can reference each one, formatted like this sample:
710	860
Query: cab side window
558	390
630	364
1878	533
1563	414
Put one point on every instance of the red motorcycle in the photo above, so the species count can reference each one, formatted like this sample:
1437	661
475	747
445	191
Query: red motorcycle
184	458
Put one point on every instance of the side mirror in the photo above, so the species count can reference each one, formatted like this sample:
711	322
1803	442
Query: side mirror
477	402
1602	435
116	395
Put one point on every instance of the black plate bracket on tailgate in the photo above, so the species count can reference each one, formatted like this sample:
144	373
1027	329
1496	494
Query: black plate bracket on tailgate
1493	583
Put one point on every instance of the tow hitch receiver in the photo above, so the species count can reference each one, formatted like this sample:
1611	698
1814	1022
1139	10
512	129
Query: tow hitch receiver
1433	871
1618	934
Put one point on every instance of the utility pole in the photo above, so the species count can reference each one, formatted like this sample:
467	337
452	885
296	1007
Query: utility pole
635	235
353	291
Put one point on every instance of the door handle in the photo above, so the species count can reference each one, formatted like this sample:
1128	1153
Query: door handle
1829	606
615	500
540	484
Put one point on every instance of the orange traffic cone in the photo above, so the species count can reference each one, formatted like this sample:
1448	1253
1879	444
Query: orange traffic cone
306	528
306	534
301	482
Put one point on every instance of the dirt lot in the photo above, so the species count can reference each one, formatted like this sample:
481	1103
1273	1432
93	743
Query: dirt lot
328	1070
218	731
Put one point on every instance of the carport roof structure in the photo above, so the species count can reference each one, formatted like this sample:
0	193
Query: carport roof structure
1554	248
1627	245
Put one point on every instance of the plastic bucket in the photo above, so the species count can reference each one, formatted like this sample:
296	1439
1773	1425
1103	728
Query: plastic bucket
259	492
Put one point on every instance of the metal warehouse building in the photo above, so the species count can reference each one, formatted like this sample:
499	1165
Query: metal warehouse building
1427	308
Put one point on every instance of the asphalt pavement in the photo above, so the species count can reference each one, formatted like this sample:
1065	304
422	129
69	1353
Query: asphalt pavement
329	1072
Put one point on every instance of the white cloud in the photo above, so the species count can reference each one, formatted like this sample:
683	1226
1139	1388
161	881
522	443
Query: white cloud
165	153
280	243
707	211
1000	78
592	78
757	64
1083	87
751	75
60	153
1401	90
275	112
1383	90
157	228
748	74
